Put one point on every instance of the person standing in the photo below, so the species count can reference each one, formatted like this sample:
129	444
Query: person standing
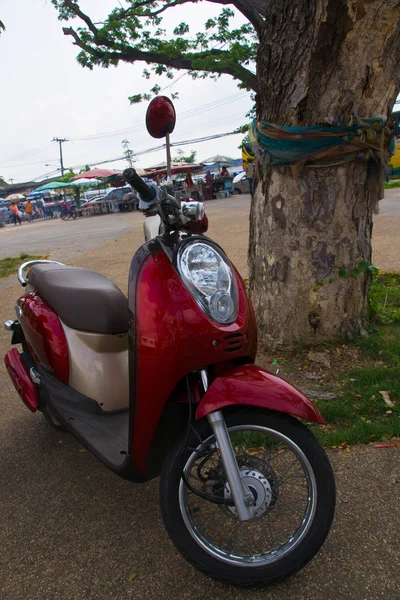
189	181
250	175
29	211
14	213
209	186
225	172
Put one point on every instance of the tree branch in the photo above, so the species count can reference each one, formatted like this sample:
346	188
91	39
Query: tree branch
75	8
253	10
165	7
185	62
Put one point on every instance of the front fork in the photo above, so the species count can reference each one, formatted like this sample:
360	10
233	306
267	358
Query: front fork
242	496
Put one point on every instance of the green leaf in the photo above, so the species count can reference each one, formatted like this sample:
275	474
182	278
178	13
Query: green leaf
132	576
135	32
364	265
135	99
342	272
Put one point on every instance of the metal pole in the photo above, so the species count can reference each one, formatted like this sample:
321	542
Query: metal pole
60	141
61	158
168	145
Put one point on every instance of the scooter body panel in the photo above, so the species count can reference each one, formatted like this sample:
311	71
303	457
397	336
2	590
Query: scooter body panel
44	334
249	385
170	336
99	367
19	375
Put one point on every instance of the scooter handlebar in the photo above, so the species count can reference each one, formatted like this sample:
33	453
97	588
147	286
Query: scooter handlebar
146	192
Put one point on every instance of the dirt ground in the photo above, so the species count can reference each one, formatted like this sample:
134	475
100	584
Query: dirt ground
71	530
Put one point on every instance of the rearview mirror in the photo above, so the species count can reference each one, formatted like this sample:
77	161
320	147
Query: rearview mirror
160	117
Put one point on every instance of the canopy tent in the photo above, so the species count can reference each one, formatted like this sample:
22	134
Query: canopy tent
160	165
216	166
87	182
15	197
95	173
33	195
177	168
54	185
219	159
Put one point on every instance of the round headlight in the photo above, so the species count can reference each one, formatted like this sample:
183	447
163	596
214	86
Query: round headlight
209	278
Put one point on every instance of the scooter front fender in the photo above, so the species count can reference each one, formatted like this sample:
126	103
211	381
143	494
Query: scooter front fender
249	385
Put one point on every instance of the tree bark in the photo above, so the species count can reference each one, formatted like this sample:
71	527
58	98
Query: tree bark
318	59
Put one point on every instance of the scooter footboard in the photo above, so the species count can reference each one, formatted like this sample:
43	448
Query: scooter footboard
249	385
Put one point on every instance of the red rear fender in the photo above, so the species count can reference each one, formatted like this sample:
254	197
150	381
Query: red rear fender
249	385
19	374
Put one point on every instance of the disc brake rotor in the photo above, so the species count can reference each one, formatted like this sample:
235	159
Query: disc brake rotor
259	486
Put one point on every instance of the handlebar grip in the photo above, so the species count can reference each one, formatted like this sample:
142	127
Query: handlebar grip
146	192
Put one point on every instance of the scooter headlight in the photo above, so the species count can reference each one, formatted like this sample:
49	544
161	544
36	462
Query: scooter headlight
209	278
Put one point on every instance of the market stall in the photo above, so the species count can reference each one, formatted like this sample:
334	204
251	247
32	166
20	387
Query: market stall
222	181
182	189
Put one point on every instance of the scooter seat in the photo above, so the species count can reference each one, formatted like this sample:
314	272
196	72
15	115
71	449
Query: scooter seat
83	299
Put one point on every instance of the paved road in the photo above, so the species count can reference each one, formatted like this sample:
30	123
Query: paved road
390	205
61	239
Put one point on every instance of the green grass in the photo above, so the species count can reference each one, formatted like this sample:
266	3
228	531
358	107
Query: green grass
360	414
9	266
392	184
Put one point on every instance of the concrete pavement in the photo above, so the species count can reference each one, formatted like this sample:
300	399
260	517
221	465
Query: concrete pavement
59	238
390	205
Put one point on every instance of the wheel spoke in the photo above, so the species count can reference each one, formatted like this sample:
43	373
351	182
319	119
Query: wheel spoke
276	472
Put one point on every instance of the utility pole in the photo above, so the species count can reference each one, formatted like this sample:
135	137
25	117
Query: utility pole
60	141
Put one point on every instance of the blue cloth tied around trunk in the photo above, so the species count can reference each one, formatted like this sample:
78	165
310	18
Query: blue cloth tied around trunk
287	145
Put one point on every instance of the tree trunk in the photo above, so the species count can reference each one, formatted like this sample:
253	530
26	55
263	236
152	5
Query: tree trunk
319	59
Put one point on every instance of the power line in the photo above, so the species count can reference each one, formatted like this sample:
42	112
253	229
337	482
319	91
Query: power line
156	148
144	152
38	162
26	153
184	115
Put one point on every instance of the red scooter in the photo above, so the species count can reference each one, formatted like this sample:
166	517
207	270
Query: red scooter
164	382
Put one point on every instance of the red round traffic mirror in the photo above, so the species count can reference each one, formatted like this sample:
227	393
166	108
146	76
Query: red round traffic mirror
160	117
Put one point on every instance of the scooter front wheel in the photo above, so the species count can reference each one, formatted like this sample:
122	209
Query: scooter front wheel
293	486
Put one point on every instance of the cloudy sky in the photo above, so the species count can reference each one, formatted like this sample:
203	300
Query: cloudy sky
45	93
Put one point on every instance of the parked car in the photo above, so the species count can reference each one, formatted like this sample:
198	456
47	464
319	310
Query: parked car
120	195
91	195
115	193
241	184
